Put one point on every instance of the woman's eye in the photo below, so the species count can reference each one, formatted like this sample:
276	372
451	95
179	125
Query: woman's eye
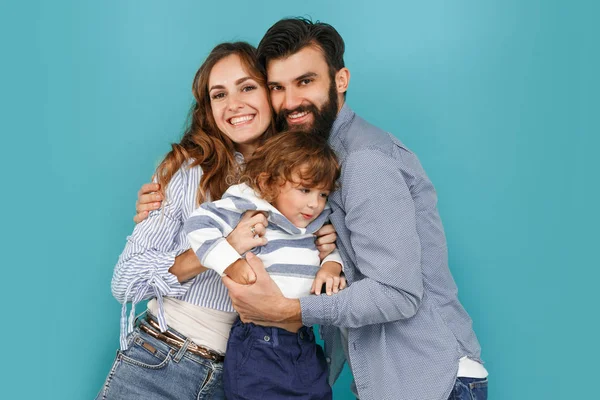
218	96
248	88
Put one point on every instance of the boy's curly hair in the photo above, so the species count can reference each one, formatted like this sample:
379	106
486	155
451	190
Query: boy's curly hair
288	153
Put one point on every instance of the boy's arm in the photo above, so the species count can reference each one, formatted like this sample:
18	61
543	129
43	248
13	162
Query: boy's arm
206	230
334	257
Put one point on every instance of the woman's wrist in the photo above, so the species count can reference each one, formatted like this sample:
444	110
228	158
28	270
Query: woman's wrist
186	266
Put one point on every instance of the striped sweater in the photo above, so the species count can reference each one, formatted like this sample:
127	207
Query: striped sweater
290	256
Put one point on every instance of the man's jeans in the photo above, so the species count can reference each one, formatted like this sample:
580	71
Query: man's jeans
152	370
469	389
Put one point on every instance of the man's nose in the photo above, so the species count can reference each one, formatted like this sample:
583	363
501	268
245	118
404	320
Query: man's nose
292	100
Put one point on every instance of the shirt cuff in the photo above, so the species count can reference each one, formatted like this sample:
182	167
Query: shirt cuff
163	262
318	309
220	257
335	257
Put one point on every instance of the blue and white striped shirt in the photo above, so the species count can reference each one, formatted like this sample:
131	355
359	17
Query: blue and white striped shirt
291	256
142	271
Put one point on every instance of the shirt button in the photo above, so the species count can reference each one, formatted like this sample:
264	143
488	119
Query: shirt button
328	360
302	335
267	338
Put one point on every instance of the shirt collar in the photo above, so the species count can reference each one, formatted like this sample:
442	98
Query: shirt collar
239	157
254	202
344	117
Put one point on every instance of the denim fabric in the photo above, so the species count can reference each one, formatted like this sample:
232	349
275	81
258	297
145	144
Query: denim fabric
271	363
469	389
152	370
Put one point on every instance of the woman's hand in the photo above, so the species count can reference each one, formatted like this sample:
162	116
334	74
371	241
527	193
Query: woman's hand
249	232
149	199
326	237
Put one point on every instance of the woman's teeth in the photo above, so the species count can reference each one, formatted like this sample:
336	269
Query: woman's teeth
241	119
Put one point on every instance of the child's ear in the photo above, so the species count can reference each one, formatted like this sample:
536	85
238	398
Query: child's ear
261	181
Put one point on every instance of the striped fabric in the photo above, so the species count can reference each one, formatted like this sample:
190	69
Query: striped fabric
406	327
290	256
142	271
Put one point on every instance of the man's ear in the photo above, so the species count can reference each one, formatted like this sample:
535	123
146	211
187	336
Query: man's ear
342	80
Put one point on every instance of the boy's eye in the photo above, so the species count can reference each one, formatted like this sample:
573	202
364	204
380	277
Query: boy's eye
304	190
325	195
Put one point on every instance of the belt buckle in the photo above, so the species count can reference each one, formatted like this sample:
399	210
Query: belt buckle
174	340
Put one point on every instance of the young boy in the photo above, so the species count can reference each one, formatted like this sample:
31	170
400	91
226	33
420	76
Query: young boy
288	179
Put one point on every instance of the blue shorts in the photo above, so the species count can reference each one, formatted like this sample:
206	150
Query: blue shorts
272	363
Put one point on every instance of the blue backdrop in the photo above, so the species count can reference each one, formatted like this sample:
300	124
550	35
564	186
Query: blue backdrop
499	100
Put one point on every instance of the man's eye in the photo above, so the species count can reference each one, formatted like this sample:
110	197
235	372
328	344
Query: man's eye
305	82
275	88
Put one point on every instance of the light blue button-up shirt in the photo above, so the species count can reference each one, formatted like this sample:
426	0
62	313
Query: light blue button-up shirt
406	327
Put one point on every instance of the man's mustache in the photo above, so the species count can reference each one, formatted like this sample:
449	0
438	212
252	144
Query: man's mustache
286	113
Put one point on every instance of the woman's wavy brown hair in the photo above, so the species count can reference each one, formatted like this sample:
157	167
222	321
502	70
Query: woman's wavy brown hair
203	143
289	153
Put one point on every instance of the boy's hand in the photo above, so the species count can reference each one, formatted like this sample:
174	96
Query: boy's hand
241	272
329	274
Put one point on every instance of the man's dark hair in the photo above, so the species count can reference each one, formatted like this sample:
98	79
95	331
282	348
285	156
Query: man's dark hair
290	35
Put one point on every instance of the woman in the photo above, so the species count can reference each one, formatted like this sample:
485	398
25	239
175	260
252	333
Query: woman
177	351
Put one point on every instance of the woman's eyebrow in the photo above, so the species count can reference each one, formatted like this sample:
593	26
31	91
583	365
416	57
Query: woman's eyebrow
239	81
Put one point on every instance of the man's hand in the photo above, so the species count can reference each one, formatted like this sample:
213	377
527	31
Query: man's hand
329	274
325	242
249	232
262	303
149	199
240	272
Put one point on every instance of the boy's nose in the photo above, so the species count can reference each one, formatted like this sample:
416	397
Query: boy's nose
313	202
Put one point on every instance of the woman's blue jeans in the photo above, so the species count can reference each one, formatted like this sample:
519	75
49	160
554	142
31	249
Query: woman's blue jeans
152	370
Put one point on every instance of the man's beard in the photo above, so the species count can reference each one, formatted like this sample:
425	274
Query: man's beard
322	118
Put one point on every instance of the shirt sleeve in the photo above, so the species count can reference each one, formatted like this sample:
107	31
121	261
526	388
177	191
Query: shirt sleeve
142	271
335	257
207	228
381	219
